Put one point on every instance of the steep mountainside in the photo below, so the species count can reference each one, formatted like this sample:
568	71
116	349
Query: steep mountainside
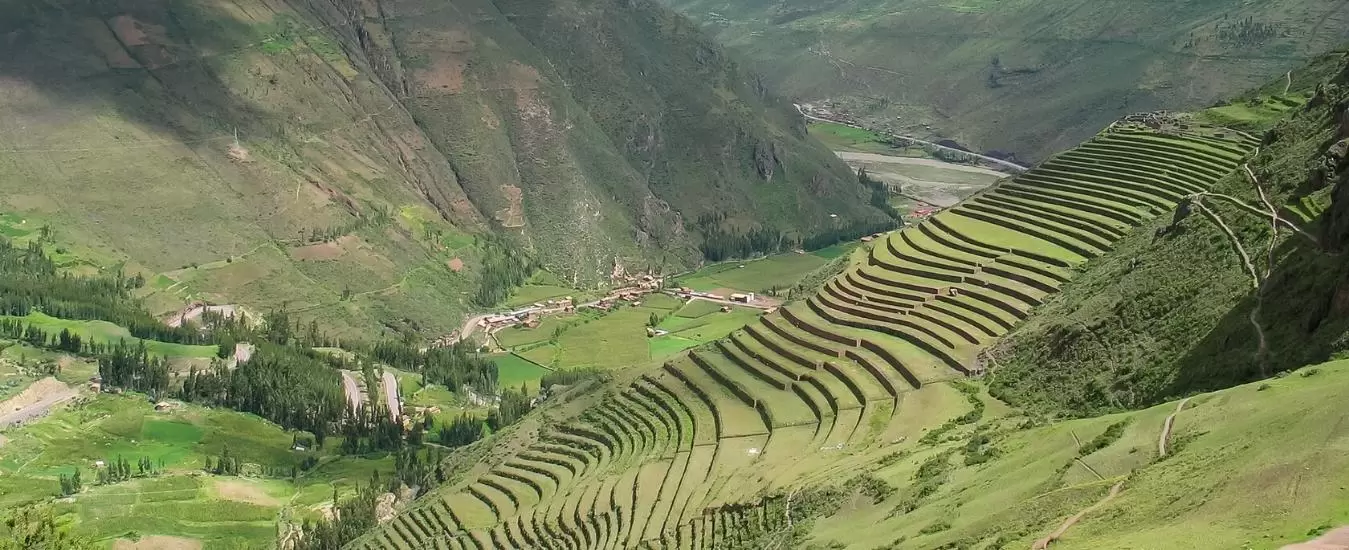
1171	311
339	157
1027	77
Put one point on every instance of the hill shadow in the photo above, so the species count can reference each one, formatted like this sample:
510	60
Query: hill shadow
157	63
1305	313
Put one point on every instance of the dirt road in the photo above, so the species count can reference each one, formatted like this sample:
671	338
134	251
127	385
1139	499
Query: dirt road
390	384
887	159
34	402
354	396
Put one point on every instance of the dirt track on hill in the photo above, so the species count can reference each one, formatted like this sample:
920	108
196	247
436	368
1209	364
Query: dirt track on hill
34	402
1044	543
1166	428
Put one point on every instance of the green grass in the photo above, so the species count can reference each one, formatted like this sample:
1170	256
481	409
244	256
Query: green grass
179	501
708	326
514	371
1255	112
778	271
836	251
695	309
1171	315
108	333
666	345
615	340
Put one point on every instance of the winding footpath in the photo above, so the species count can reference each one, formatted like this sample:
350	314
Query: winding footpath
1166	428
1044	543
1162	441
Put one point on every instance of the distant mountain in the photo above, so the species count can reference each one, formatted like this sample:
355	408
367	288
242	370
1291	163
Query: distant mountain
341	156
1030	78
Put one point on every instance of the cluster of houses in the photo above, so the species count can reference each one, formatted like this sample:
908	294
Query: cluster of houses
688	293
528	316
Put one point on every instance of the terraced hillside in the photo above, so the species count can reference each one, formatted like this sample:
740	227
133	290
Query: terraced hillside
709	449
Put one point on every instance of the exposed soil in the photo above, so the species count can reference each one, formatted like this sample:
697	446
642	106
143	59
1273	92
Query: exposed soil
130	31
195	311
456	265
353	391
446	75
1336	539
514	214
35	401
887	159
390	383
157	542
242	491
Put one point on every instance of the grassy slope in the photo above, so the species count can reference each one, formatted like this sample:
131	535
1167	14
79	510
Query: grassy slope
1253	466
930	62
121	126
1157	318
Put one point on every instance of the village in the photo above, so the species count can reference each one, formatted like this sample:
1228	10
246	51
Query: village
631	292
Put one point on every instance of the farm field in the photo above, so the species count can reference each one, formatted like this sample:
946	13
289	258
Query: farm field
762	275
841	137
514	371
180	500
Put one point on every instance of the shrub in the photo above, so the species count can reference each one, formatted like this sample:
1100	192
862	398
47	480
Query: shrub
936	527
1110	435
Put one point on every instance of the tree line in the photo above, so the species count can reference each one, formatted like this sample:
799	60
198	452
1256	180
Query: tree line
455	367
504	267
281	383
30	281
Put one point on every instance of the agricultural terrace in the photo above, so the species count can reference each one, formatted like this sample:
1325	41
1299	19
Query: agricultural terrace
681	455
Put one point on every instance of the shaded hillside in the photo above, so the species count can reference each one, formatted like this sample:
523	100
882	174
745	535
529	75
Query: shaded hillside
1030	78
338	156
1169	312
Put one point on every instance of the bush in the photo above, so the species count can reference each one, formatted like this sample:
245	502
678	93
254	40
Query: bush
1110	435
